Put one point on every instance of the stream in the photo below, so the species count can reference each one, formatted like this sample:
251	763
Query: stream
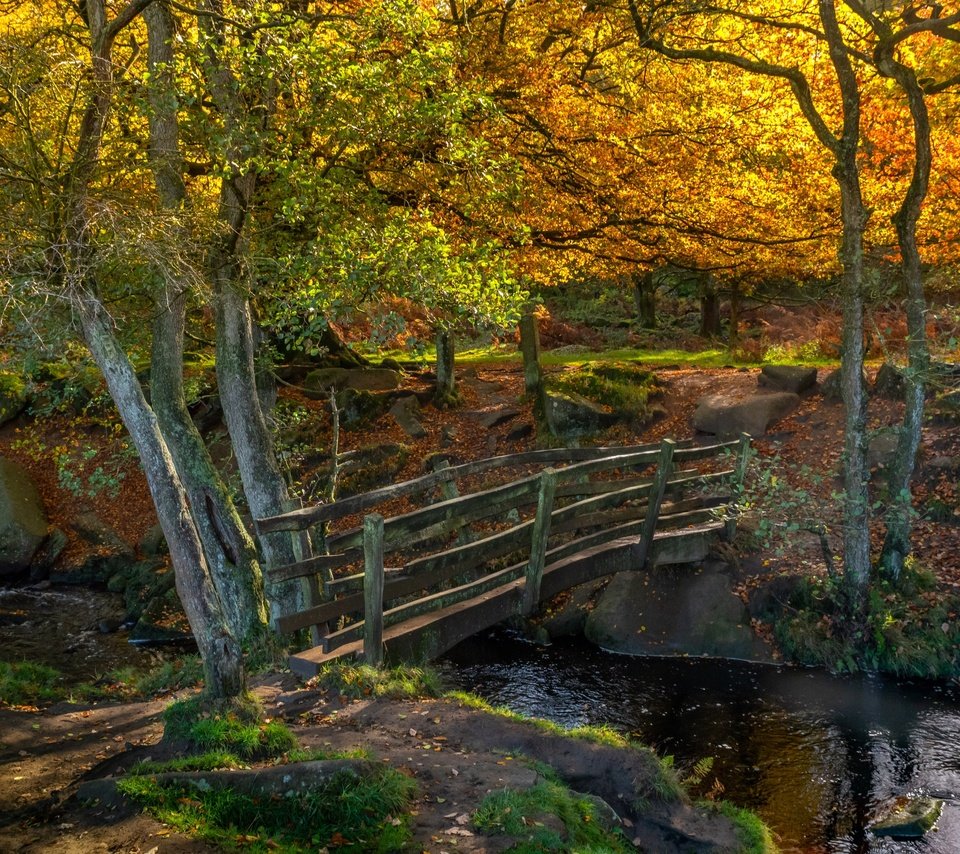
815	755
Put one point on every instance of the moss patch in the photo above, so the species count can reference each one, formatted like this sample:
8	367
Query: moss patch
361	680
625	387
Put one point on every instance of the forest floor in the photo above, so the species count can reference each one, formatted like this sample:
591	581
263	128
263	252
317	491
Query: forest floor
44	753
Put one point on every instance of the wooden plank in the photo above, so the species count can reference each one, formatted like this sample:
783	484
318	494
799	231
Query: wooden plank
664	468
312	566
538	543
596	487
434	602
356	503
445	516
703	452
373	589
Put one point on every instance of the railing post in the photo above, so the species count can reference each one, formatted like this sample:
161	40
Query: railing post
538	542
309	586
739	476
373	589
657	489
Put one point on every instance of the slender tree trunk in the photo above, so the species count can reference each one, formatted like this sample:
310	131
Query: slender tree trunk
446	394
733	333
220	651
230	552
263	483
896	544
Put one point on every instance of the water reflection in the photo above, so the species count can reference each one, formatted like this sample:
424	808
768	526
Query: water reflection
815	755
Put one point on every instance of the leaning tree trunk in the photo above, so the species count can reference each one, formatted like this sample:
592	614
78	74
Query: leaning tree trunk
220	651
263	483
896	545
229	550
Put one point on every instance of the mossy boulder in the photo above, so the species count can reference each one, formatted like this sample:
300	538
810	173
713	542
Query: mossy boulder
908	818
793	378
359	408
23	523
13	396
570	416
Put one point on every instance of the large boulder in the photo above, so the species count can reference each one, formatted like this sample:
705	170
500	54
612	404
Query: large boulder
674	611
108	553
890	382
23	524
726	415
319	382
793	378
570	416
406	412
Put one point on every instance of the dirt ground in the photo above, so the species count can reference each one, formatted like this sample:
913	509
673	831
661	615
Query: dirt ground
456	755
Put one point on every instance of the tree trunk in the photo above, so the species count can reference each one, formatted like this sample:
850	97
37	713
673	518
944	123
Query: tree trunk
446	394
646	294
263	483
896	545
220	651
733	333
709	308
229	550
530	351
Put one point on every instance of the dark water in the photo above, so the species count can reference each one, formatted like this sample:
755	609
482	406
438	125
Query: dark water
815	755
60	627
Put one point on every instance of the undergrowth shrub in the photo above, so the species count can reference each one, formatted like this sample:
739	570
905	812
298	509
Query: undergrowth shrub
909	629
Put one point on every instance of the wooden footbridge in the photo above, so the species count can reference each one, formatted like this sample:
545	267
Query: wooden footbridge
470	550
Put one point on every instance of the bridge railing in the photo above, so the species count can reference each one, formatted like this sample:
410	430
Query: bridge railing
582	498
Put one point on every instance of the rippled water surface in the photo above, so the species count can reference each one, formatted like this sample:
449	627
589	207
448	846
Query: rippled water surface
815	755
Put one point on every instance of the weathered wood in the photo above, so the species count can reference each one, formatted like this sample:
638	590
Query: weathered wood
433	602
583	488
703	452
309	586
446	516
530	350
740	474
348	506
432	633
538	541
373	589
664	468
312	566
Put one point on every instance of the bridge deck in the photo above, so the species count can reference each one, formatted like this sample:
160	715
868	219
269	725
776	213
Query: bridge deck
428	636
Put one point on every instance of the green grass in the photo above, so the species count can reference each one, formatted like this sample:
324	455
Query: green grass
25	683
522	814
754	836
349	813
356	681
664	785
240	731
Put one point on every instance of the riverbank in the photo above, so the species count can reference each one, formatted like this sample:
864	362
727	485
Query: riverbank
456	752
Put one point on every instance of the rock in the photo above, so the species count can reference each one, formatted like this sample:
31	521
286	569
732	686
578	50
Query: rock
908	818
358	408
494	418
520	432
23	524
98	533
391	364
569	416
406	413
448	435
945	409
791	378
890	382
674	612
771	598
882	449
319	382
830	387
566	615
371	466
153	543
13	396
724	415
46	556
